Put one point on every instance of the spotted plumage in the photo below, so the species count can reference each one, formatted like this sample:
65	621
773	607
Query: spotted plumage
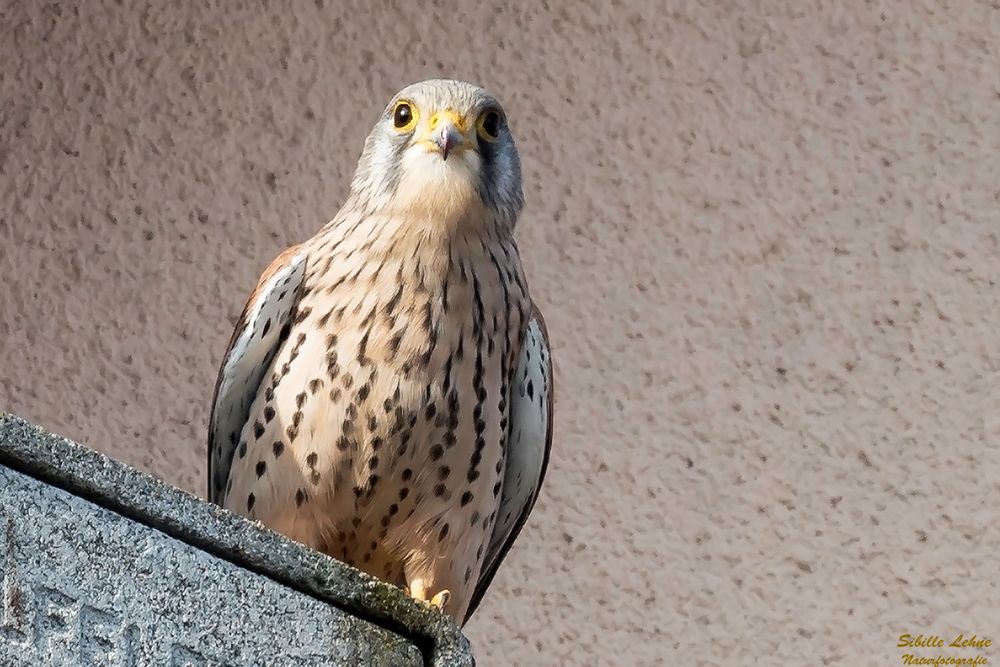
386	396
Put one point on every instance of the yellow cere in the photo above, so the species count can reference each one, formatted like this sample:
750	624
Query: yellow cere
451	116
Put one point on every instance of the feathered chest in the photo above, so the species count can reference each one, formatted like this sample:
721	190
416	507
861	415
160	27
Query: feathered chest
410	311
402	362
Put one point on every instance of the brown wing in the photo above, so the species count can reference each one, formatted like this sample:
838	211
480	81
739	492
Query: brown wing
258	335
529	439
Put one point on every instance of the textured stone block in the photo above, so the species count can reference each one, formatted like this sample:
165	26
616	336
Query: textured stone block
103	565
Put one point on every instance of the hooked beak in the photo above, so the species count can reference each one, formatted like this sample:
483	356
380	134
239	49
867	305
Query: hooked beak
448	138
447	134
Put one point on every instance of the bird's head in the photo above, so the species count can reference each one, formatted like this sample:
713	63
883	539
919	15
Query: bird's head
441	149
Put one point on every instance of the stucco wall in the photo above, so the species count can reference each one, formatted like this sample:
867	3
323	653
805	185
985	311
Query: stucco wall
765	236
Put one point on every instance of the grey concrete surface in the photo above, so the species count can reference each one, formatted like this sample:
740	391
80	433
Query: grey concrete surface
102	565
85	586
764	235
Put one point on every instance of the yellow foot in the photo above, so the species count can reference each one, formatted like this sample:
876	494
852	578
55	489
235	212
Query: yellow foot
441	599
418	591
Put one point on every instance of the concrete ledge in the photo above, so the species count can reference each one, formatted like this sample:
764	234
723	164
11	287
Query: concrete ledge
102	564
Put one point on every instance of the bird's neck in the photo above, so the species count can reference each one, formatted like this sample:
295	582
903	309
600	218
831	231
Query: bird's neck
363	242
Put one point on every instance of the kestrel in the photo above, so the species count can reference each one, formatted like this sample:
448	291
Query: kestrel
386	396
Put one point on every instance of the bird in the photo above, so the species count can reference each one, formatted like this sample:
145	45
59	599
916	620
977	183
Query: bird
387	393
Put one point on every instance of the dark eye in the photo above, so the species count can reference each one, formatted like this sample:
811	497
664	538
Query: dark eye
489	125
403	115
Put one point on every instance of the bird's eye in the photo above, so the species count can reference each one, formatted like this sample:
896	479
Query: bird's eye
489	125
403	117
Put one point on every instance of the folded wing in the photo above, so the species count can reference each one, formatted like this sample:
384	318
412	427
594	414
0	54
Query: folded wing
529	438
259	334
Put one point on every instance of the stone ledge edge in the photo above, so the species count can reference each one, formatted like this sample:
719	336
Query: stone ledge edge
111	484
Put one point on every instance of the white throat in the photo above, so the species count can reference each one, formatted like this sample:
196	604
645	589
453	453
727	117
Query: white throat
441	192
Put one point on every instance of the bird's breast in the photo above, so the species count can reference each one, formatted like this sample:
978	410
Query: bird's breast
398	372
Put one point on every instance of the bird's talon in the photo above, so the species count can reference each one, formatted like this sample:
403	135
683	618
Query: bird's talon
441	599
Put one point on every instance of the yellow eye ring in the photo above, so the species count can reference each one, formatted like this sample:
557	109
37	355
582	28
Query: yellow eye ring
404	116
488	125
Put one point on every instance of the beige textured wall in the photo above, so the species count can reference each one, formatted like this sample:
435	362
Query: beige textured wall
765	235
